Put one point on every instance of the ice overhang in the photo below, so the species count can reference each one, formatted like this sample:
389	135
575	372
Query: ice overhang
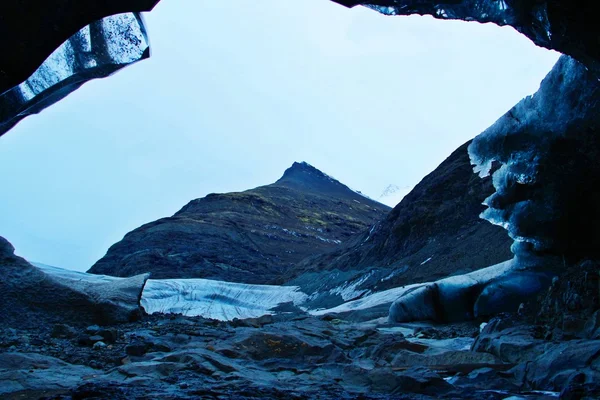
31	30
51	47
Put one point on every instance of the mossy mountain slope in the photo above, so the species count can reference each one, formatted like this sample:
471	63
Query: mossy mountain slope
253	236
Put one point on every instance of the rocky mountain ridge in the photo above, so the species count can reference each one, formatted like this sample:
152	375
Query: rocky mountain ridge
252	236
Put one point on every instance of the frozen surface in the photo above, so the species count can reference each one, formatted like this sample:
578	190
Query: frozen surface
456	344
373	300
226	300
216	299
193	297
489	291
349	290
75	276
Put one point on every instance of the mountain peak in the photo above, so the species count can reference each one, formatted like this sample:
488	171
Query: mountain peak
304	177
303	167
304	174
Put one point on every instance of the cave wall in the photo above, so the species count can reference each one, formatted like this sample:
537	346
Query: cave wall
543	156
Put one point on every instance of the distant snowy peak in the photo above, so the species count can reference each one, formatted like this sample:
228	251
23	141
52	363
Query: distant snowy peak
390	190
393	194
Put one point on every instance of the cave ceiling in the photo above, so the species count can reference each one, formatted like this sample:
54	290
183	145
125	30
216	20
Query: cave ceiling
33	32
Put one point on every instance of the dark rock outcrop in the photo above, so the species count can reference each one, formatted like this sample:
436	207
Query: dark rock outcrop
252	236
30	297
546	358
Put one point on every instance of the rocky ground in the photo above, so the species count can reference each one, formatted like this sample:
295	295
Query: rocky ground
51	349
299	357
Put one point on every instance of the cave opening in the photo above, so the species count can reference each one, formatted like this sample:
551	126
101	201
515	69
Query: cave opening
332	79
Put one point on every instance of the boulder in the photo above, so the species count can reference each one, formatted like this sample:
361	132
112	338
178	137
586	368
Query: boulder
33	372
553	369
510	341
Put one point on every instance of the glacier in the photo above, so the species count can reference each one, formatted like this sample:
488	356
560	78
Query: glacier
211	299
216	299
455	298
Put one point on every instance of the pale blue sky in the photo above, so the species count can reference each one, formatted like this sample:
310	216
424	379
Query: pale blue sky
236	92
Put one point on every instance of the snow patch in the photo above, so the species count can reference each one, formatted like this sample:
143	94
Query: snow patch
370	301
349	291
334	241
370	233
426	261
395	273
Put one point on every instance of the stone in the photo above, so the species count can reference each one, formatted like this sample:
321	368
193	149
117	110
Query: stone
486	379
150	369
592	326
552	369
99	345
452	359
92	329
581	386
160	347
420	380
36	372
109	335
514	344
262	346
62	331
137	349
